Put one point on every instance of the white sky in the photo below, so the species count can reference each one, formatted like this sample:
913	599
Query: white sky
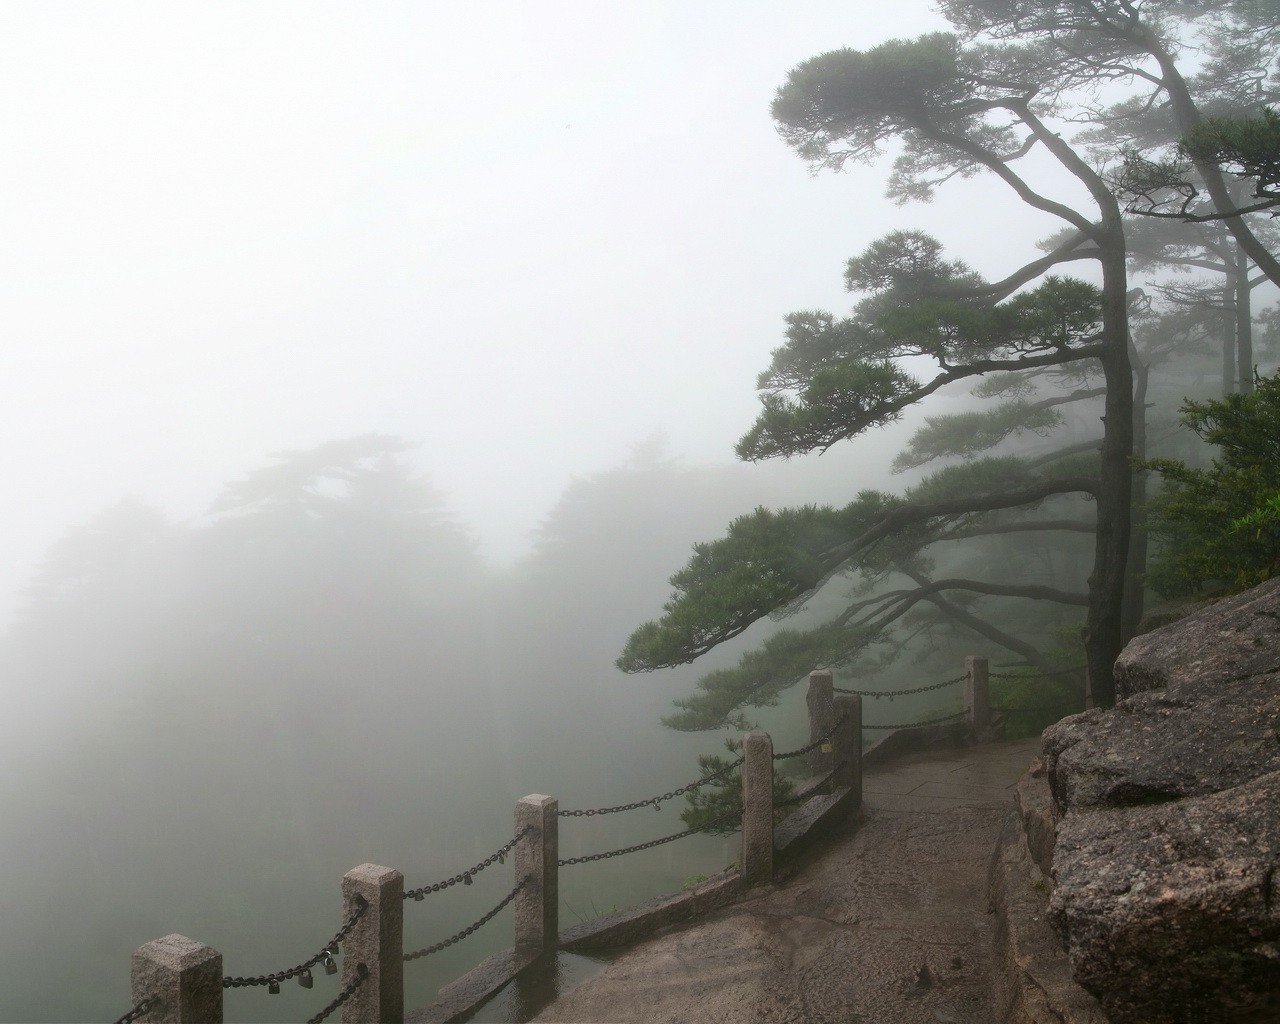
526	234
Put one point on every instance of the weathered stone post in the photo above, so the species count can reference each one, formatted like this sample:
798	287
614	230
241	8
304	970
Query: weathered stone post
377	941
848	744
822	716
537	905
757	807
977	695
183	976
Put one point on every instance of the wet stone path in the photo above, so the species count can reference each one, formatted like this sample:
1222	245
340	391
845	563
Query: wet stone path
887	924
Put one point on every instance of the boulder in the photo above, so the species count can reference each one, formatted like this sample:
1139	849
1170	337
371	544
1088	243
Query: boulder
1171	913
1236	637
1155	746
1166	857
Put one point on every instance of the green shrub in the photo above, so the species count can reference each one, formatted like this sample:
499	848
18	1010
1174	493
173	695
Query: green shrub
1218	528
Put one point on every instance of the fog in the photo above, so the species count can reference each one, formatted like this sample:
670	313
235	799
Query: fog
370	368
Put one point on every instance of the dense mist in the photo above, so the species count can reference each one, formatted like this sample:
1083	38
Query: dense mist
371	394
212	720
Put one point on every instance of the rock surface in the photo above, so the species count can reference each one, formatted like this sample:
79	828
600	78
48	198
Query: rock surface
1155	746
1235	638
1167	854
1036	985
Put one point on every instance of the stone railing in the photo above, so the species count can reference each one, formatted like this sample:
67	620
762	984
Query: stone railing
176	979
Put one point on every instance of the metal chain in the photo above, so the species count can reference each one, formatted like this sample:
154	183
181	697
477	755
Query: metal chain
814	745
916	725
459	936
499	856
141	1010
362	972
588	858
1037	675
811	790
904	693
654	801
326	954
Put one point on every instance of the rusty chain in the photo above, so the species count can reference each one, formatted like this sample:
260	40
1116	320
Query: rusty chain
890	694
918	725
499	856
588	858
418	954
812	789
303	970
655	801
815	744
362	972
141	1010
1037	675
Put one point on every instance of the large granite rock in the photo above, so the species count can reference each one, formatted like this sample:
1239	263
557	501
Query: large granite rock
1167	854
1155	746
1237	637
1172	912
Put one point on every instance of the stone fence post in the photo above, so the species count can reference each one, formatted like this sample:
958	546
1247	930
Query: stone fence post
537	905
377	941
977	694
183	976
757	807
848	744
822	716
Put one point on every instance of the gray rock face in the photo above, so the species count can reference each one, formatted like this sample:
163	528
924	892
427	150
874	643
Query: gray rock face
1236	637
1155	746
1172	912
1167	854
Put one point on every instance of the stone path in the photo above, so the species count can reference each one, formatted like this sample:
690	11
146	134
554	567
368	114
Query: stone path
887	925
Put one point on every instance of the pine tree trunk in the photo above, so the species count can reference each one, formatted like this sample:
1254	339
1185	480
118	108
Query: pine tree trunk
1135	576
1244	323
1228	341
1104	637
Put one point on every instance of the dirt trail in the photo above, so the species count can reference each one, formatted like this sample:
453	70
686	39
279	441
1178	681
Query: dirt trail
887	925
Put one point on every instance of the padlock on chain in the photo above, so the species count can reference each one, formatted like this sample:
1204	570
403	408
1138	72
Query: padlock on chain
305	979
329	966
273	987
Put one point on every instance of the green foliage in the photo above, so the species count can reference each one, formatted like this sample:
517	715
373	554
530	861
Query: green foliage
904	259
766	559
844	104
762	674
1031	701
1219	528
835	403
721	799
835	378
1248	147
968	433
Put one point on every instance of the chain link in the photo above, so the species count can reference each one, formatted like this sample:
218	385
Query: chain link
815	744
812	789
499	856
141	1010
905	693
327	952
588	858
917	725
656	801
1037	675
459	936
362	972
